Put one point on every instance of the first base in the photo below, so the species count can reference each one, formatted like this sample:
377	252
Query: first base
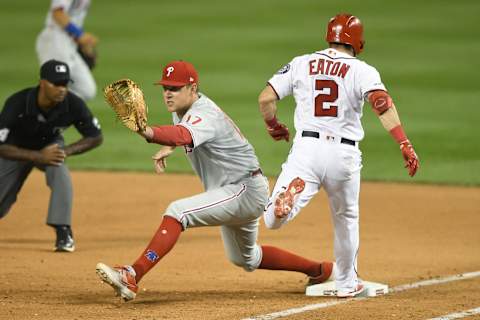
327	289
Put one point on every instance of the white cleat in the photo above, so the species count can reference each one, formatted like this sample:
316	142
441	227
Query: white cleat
285	200
351	294
121	279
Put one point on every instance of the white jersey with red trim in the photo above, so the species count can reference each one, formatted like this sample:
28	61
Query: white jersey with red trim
220	154
329	88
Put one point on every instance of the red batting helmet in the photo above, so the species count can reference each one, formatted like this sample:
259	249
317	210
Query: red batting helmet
348	29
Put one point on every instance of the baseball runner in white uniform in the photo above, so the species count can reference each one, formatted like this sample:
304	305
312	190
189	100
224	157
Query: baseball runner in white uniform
329	87
236	191
62	35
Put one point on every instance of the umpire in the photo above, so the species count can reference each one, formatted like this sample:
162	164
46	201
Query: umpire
31	125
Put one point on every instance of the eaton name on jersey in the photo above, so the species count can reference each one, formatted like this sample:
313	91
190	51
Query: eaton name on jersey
328	67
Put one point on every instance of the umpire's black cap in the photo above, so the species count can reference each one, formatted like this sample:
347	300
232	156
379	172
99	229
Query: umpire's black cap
55	72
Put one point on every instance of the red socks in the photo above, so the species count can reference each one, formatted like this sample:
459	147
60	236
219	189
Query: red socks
169	231
279	259
162	242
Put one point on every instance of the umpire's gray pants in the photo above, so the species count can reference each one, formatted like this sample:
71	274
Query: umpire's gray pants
14	173
236	208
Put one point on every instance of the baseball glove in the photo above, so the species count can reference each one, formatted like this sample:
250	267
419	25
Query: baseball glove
127	100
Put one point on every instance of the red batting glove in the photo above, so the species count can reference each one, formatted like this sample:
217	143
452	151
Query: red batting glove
277	130
410	157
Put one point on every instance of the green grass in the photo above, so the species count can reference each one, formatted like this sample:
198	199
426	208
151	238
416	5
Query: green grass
426	52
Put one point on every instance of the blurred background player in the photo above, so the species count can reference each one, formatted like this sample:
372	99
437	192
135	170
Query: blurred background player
329	87
63	38
235	189
31	125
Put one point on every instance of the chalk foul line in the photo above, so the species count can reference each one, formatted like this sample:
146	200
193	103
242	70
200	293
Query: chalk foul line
400	288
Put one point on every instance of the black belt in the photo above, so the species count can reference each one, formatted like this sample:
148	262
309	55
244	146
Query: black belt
256	172
314	134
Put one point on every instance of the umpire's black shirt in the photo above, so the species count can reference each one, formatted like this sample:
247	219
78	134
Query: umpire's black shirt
25	125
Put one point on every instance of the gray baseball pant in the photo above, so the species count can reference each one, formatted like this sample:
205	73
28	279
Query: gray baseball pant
236	208
14	173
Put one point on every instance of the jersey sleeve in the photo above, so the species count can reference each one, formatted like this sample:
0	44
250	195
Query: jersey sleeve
8	118
85	122
282	81
65	4
370	80
201	126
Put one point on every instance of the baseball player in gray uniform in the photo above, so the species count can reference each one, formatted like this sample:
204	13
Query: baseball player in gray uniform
235	189
62	35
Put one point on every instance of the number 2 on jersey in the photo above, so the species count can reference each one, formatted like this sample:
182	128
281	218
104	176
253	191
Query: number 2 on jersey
320	111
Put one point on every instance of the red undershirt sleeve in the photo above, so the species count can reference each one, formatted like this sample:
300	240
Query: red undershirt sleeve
170	135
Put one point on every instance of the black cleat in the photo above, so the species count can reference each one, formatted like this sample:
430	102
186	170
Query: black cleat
65	242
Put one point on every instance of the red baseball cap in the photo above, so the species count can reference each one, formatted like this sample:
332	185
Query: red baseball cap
178	74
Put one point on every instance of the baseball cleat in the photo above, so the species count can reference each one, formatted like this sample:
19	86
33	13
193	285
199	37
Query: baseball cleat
327	268
351	294
121	279
285	199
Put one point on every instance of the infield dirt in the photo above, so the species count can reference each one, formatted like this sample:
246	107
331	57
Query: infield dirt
408	233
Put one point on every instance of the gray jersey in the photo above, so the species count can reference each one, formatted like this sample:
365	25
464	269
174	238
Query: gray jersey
76	10
56	43
220	154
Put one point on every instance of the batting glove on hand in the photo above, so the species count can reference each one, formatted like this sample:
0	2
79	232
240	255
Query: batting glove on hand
277	130
410	157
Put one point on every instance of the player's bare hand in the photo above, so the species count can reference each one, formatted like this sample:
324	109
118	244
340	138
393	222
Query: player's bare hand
278	131
160	159
52	155
87	42
88	51
410	157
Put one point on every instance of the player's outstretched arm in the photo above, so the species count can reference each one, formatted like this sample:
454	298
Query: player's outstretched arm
267	102
168	135
385	109
147	133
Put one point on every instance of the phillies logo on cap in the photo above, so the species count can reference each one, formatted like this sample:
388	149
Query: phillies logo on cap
178	73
